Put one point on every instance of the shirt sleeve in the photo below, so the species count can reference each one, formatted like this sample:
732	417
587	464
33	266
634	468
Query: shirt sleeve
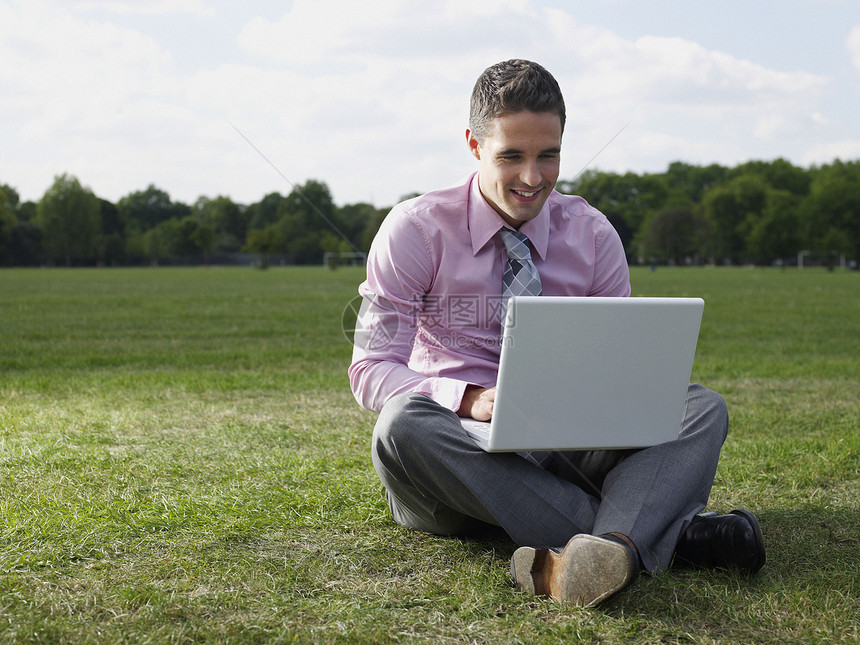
400	271
611	273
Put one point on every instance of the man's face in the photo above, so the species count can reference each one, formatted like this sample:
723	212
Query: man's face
518	163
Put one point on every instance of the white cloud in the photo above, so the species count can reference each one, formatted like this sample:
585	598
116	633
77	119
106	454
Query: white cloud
313	31
819	119
677	71
826	152
146	7
853	45
774	126
363	32
68	73
85	97
683	101
371	97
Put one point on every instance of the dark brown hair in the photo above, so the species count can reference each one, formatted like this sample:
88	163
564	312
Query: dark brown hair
513	86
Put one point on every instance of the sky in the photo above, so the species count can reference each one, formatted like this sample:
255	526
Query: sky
242	99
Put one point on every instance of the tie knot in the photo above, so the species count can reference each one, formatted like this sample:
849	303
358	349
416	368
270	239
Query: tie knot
516	244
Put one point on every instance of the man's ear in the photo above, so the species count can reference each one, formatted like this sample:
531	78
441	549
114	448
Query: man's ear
474	146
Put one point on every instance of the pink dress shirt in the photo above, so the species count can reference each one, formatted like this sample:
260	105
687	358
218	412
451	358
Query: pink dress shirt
430	317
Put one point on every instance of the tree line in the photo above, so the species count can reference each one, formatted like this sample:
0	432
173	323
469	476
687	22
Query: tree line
758	212
755	213
71	226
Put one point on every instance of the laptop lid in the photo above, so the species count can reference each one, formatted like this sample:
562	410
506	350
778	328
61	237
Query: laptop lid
580	373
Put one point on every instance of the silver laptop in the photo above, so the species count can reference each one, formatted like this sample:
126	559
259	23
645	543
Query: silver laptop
591	373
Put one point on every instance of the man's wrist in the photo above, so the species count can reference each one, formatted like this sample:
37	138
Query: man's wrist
470	394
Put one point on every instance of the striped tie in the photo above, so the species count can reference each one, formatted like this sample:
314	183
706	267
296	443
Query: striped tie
521	277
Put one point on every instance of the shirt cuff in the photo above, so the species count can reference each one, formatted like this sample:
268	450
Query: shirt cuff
447	392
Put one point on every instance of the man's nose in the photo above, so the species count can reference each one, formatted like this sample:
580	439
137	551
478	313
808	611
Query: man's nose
530	173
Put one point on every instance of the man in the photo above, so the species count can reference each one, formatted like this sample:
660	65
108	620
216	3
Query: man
427	351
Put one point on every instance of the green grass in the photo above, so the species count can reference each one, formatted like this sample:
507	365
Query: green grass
181	461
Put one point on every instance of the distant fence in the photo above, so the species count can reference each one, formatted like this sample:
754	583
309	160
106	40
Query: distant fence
229	259
344	258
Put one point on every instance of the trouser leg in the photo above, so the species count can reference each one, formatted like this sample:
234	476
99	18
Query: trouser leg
437	480
652	495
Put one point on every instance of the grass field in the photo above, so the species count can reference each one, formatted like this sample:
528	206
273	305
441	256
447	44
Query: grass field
181	461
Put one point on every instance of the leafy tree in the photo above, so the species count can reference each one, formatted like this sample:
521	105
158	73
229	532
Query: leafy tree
141	212
70	218
333	243
179	238
301	219
25	246
156	242
624	231
630	197
831	211
673	235
731	209
191	237
775	234
779	174
267	241
8	219
148	208
21	241
111	243
9	197
757	211
351	220
264	212
833	243
306	212
691	182
227	220
26	211
135	245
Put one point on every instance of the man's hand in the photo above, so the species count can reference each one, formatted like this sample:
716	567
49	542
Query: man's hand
477	403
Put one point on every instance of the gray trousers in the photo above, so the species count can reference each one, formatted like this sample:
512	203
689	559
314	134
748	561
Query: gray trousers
437	480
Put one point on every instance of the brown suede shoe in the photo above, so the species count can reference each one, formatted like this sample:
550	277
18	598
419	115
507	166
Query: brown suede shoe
586	572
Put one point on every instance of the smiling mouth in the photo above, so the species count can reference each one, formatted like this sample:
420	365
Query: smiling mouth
526	194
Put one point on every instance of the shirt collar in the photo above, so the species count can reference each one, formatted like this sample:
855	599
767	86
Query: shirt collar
485	222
